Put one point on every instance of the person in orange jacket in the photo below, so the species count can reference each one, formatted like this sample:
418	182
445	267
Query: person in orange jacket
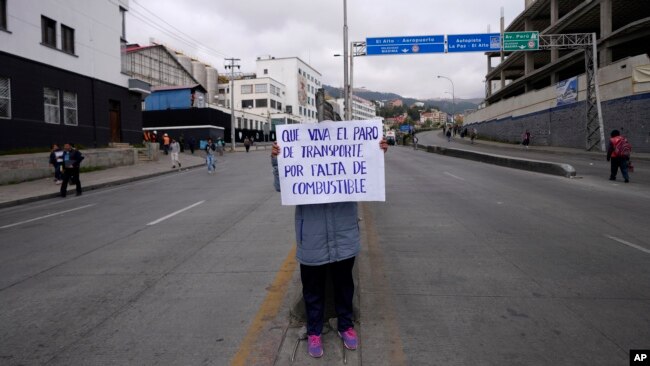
166	142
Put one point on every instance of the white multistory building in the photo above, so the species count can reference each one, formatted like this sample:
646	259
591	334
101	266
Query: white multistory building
301	82
263	97
361	108
62	76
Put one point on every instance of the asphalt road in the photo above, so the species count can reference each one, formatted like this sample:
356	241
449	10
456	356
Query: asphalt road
486	265
587	165
465	263
115	280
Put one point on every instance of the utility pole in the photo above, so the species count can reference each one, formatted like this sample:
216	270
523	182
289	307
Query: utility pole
346	86
232	64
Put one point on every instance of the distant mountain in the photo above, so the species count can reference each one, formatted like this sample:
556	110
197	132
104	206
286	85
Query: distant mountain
445	105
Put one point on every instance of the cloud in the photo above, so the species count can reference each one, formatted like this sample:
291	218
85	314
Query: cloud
313	31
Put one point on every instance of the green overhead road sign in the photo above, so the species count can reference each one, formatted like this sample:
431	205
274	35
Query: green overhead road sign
521	41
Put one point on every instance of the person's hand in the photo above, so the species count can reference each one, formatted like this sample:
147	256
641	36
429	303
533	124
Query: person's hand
383	144
275	150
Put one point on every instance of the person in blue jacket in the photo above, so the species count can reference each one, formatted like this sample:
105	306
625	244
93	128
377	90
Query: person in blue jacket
327	236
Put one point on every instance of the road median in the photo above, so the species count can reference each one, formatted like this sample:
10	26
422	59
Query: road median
538	166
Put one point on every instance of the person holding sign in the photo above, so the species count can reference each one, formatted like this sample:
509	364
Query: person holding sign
327	234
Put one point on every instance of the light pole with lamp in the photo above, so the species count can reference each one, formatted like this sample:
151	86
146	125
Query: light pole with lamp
453	97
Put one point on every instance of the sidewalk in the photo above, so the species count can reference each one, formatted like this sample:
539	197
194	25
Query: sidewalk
506	148
17	194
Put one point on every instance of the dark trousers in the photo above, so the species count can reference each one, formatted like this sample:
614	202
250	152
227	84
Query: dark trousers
313	291
70	175
618	162
57	171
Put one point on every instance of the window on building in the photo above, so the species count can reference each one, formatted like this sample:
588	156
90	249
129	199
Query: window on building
260	88
245	123
5	97
70	108
261	103
247	103
266	71
238	122
247	89
3	14
48	31
51	105
123	18
67	39
273	104
300	110
280	106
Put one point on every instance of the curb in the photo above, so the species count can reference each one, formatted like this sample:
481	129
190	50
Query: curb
91	187
538	166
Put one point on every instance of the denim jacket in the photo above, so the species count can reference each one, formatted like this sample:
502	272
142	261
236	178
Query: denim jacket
326	232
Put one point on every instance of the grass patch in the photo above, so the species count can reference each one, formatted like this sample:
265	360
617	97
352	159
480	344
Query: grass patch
88	169
25	150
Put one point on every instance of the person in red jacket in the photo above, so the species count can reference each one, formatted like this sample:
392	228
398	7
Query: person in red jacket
618	155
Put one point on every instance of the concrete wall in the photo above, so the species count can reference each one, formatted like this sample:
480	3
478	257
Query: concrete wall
19	168
625	106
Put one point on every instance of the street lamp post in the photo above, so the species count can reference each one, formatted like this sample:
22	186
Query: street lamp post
453	97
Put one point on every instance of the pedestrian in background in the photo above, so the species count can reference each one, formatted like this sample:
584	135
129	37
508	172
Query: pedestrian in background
317	254
525	139
220	146
618	152
175	149
473	135
247	143
166	143
71	162
56	160
181	142
449	135
210	149
191	142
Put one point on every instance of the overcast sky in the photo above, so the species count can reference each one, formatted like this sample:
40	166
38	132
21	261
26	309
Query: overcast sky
313	30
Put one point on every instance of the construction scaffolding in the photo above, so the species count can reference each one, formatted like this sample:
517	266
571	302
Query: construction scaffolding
158	67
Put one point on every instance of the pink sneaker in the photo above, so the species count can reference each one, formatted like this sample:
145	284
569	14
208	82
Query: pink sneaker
349	338
315	346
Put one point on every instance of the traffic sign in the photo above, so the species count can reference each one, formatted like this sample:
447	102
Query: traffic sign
474	42
405	128
406	45
521	41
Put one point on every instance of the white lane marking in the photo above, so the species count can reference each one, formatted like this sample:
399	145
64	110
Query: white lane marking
454	176
645	250
46	216
175	213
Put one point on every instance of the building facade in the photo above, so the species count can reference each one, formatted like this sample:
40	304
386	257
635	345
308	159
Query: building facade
61	77
301	83
362	109
523	91
159	65
435	117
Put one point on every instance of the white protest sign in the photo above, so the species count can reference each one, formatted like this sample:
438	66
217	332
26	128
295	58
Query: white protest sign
331	162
